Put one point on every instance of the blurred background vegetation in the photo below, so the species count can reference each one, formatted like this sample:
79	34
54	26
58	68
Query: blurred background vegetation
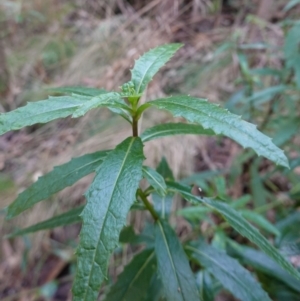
242	54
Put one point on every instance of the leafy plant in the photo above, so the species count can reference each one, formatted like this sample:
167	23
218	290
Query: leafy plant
165	269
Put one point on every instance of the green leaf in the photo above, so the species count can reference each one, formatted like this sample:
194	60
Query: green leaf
235	219
221	121
291	4
86	91
171	129
291	51
134	281
56	180
109	100
205	285
109	199
173	266
68	218
229	272
263	263
149	63
162	204
39	112
164	169
260	221
155	180
155	290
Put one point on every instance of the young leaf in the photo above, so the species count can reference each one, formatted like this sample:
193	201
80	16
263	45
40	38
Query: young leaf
149	63
39	112
229	272
133	283
176	275
68	218
171	129
86	91
110	100
155	179
243	227
260	221
108	201
211	116
56	180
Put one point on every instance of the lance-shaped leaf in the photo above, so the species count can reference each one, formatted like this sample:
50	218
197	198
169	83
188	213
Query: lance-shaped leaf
149	63
108	201
39	112
221	121
171	129
109	100
260	221
235	219
56	180
155	180
68	218
263	263
133	283
86	91
229	272
176	275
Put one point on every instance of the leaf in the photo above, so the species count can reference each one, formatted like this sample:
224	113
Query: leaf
149	63
162	204
171	129
205	285
221	121
155	291
164	169
173	266
263	263
56	180
260	221
155	179
229	272
109	100
39	112
77	90
243	227
133	282
291	51
258	190
109	199
68	218
291	4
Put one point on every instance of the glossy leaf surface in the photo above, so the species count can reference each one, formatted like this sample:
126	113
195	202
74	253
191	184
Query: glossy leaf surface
229	272
109	199
176	275
171	129
149	63
221	121
68	218
56	180
155	180
39	112
235	219
109	100
133	282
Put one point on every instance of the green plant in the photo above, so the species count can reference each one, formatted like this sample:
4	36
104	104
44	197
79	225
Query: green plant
164	270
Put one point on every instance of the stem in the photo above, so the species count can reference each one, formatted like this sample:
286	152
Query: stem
148	205
135	130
